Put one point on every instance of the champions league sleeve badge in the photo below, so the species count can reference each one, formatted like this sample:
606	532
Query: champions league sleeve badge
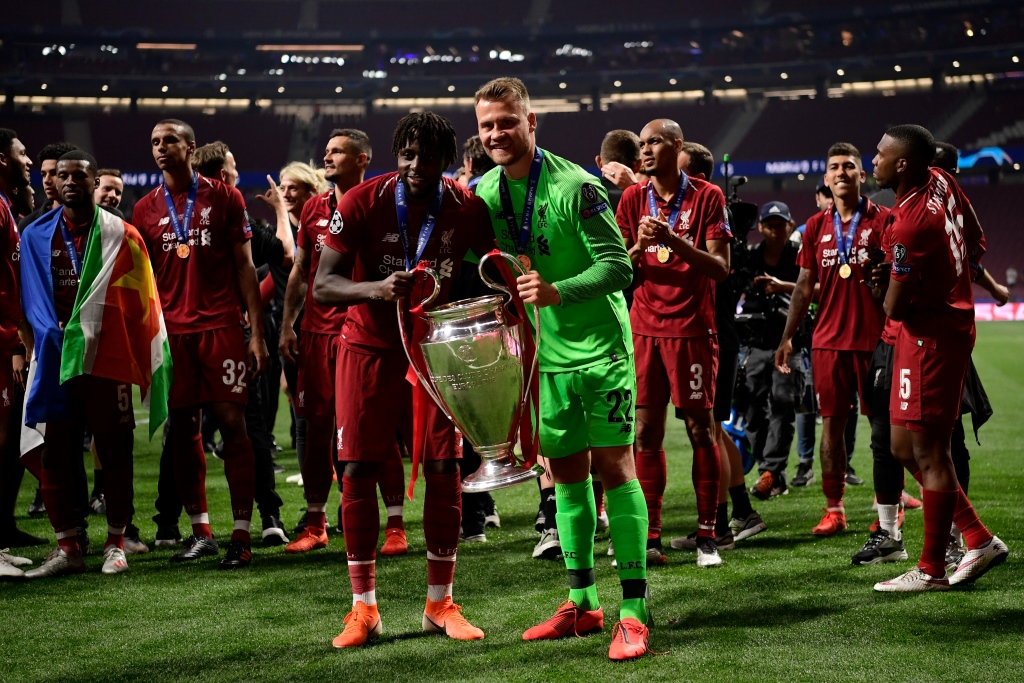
336	223
589	192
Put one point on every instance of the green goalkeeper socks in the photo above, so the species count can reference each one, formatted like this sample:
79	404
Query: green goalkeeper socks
627	522
577	523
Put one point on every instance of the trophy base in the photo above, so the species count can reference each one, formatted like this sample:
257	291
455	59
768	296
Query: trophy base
498	473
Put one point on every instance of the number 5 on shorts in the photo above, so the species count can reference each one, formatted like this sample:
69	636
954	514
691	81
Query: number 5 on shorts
904	383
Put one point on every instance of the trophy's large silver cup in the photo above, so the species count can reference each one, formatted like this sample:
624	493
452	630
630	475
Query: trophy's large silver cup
476	375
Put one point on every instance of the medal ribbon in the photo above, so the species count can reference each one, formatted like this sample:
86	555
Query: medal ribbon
429	221
526	224
845	244
674	207
69	246
181	227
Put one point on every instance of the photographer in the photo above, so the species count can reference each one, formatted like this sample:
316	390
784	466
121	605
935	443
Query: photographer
773	396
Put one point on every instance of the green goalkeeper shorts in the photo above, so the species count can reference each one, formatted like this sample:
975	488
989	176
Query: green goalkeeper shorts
592	407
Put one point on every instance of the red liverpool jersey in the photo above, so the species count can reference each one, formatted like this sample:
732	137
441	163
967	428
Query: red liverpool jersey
10	293
849	318
365	231
672	299
199	292
930	248
313	224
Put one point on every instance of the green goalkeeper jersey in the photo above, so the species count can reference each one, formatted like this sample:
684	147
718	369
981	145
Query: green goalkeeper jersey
575	245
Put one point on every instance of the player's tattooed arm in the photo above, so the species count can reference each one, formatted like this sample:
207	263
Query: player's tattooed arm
798	304
249	286
331	288
294	295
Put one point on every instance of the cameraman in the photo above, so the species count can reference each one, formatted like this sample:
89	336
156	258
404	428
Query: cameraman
773	396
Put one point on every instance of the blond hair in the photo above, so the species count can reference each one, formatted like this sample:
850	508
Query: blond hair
511	90
307	174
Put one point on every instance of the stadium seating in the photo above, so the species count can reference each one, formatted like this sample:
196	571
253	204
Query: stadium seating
1001	109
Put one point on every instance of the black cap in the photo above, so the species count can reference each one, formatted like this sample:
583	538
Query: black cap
775	210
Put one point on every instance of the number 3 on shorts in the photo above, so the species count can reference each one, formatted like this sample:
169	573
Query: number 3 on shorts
698	377
234	374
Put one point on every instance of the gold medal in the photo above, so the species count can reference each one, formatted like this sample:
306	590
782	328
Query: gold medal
525	261
845	271
662	254
183	251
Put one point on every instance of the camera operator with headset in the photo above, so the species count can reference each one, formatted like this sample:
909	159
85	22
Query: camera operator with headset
773	397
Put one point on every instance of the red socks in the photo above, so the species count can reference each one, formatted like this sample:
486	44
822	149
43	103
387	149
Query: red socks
318	471
652	472
938	518
833	484
967	520
707	471
362	527
442	517
392	489
240	471
190	476
56	488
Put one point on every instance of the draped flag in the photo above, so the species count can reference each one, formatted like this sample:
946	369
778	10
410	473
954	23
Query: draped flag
116	328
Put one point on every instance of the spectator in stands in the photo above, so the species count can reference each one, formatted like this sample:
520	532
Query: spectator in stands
619	162
823	200
110	189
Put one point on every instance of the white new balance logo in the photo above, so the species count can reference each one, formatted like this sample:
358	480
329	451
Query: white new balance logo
696	395
322	223
390	237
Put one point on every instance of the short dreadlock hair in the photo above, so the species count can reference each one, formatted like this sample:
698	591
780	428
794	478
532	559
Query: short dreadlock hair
430	130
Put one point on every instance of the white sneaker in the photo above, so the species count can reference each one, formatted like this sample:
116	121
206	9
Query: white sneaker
133	547
978	561
914	581
611	554
548	547
114	561
707	553
7	568
57	563
602	521
294	479
14	559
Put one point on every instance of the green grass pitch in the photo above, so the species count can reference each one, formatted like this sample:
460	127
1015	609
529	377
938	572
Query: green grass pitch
785	606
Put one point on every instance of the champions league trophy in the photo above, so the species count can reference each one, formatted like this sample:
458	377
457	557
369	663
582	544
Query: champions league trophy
478	364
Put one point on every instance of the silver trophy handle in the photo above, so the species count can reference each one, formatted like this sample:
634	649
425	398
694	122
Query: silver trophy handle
536	312
401	331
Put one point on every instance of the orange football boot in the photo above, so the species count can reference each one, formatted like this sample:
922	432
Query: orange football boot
309	539
361	625
395	542
446	617
831	523
568	619
629	640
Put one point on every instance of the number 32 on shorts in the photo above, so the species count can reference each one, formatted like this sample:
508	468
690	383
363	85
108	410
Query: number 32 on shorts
234	375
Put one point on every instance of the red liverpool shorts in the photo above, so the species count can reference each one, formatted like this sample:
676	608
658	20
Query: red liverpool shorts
374	404
683	369
318	354
927	384
209	366
837	376
104	404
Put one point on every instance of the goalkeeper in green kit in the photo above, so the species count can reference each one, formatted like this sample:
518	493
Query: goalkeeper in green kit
555	216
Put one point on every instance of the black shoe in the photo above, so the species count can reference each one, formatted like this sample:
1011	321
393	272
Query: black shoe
851	477
279	469
273	531
83	540
301	526
338	530
954	554
196	547
16	538
804	475
218	450
780	488
238	556
167	536
36	507
131	531
208	446
880	547
541	521
98	505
